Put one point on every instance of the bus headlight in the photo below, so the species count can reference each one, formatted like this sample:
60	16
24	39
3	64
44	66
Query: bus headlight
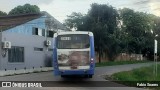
92	61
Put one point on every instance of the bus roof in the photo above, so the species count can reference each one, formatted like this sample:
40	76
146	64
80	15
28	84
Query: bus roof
73	32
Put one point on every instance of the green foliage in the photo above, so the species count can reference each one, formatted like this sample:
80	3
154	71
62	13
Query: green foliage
101	20
142	74
27	8
74	20
132	35
156	29
3	13
139	25
110	63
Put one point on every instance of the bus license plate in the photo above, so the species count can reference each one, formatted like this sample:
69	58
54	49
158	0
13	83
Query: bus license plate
73	67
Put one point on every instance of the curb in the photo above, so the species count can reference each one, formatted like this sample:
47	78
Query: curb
24	71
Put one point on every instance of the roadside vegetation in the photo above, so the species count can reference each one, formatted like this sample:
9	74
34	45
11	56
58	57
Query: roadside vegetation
110	63
140	75
118	30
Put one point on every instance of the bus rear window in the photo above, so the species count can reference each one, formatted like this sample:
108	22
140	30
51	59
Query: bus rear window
73	41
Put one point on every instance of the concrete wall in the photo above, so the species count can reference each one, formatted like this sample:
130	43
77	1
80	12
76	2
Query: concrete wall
129	57
31	58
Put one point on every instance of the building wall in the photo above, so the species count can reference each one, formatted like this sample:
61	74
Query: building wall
27	27
31	58
22	36
0	50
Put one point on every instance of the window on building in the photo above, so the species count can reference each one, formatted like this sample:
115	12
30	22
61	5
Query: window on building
16	54
43	32
38	49
50	49
35	31
38	31
50	34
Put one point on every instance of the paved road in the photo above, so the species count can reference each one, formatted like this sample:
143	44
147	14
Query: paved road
99	73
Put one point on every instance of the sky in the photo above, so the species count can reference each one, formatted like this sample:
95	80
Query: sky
61	8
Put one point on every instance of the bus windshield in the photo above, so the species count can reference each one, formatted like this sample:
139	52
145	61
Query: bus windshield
73	41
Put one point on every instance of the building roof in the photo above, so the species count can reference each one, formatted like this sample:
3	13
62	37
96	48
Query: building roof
10	21
54	23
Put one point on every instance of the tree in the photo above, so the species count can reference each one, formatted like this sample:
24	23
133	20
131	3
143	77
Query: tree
118	31
156	30
137	26
101	19
74	20
27	8
3	13
103	23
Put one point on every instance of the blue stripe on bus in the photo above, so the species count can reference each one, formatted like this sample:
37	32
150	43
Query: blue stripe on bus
55	62
92	46
92	52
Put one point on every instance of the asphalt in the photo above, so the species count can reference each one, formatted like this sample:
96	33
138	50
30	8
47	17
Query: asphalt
100	72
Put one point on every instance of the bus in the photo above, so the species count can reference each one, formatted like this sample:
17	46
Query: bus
73	53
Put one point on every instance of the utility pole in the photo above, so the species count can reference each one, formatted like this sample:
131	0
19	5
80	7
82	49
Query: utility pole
155	58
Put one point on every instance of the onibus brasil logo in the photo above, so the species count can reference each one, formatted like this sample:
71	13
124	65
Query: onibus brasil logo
20	84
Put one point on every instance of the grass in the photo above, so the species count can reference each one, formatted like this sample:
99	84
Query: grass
131	78
141	74
110	63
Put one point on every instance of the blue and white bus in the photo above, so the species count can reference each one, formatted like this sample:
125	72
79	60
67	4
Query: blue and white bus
73	53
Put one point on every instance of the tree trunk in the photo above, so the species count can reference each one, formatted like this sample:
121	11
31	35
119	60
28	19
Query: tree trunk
100	55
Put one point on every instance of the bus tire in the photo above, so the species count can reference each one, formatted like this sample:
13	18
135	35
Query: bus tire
62	76
90	76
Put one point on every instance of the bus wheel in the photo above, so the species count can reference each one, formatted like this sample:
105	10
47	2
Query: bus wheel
90	76
86	76
63	76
